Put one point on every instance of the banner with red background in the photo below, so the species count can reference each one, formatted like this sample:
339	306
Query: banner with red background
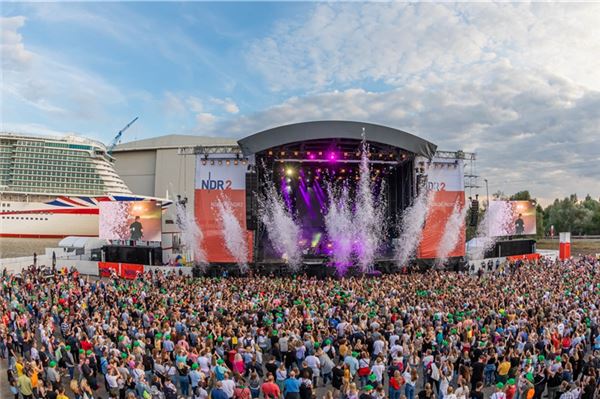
445	181
105	268
214	179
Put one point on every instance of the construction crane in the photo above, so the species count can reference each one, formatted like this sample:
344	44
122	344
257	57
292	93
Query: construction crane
117	138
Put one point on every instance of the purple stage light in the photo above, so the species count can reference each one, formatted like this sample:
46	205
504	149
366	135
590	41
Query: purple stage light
312	156
332	157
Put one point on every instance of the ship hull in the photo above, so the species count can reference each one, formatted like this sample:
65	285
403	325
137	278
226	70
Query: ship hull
56	218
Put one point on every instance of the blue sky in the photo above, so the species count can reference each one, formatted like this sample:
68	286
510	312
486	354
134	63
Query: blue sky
517	83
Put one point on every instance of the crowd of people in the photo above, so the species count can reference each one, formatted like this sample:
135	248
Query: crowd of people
526	332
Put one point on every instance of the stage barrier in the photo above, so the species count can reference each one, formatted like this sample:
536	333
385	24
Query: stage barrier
91	268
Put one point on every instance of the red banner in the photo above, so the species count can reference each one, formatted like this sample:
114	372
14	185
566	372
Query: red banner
439	212
445	180
221	179
106	268
523	257
131	270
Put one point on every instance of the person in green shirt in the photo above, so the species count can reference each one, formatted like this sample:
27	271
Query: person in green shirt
25	387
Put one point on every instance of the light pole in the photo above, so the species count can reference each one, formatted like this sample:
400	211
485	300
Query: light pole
487	192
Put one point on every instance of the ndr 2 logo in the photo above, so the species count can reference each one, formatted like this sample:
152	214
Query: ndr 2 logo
215	184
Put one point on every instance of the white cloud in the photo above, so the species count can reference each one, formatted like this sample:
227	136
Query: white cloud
14	54
205	119
397	43
517	83
195	104
48	84
523	126
31	128
173	104
228	105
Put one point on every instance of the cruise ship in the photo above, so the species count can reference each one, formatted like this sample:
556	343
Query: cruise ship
50	187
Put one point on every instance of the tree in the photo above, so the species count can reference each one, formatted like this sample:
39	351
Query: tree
540	227
521	196
572	215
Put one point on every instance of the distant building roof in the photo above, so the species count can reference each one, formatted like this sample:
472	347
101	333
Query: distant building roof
173	141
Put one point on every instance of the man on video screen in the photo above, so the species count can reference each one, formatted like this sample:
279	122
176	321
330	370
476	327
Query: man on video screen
519	226
136	230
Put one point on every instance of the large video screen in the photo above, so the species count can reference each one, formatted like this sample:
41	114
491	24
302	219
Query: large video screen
512	218
130	220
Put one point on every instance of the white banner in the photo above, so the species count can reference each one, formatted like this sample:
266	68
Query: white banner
222	174
445	175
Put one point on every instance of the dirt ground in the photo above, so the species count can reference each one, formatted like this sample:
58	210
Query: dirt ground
583	247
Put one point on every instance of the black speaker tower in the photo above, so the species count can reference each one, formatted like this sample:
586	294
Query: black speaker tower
251	200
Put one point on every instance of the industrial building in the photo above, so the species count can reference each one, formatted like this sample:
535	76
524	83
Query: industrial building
161	167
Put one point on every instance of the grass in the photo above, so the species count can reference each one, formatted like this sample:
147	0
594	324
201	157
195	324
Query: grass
586	247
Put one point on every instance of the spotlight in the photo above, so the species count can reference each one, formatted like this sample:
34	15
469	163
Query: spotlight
282	153
319	170
289	172
220	162
343	170
228	162
345	154
288	180
391	155
295	153
235	162
212	162
312	156
320	153
270	152
204	162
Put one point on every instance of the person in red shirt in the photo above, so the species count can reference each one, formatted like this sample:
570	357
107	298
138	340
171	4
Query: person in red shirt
85	344
566	344
512	388
270	389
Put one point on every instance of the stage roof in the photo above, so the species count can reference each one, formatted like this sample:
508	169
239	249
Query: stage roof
318	130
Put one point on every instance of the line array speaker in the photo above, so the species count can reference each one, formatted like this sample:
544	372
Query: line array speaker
251	201
474	213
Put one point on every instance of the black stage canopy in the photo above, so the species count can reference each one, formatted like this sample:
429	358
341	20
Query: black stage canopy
316	130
